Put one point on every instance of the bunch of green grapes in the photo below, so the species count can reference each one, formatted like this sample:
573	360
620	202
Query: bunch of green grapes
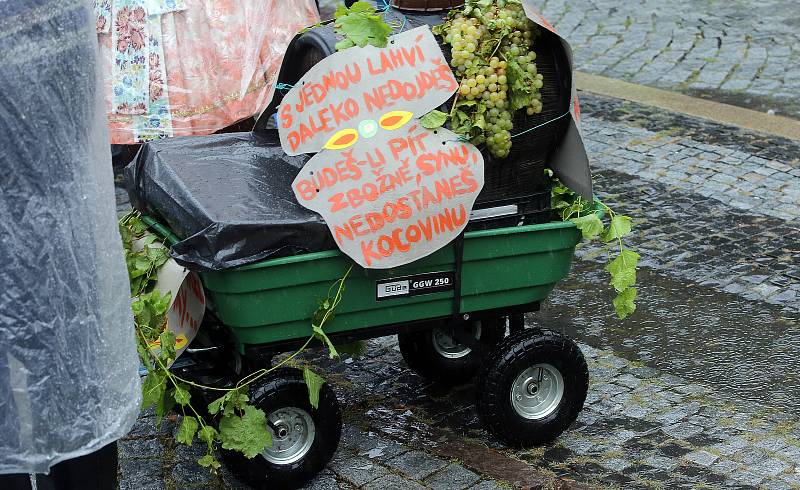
492	52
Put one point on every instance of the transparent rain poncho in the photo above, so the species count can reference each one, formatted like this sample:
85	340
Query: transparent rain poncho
68	363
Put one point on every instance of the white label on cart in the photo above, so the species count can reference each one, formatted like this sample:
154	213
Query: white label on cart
426	283
396	288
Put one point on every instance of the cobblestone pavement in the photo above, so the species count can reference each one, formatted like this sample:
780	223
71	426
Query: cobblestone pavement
742	52
698	389
725	210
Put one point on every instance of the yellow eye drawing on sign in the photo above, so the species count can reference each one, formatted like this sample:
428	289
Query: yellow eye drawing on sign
342	139
394	119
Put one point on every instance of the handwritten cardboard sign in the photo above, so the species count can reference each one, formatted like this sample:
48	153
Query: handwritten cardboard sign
390	190
404	197
347	88
187	306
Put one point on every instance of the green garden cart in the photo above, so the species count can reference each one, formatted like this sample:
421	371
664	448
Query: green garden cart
224	205
451	311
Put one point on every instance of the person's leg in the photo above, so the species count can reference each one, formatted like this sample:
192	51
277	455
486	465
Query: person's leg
95	471
15	482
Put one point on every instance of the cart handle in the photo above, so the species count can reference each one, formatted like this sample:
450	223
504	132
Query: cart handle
161	230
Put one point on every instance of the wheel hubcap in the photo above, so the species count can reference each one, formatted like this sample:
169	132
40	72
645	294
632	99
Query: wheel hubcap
537	391
292	436
449	347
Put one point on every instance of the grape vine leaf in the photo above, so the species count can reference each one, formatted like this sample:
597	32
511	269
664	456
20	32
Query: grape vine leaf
360	25
353	349
187	430
623	269
434	119
215	406
247	434
153	388
167	352
320	334
590	225
209	461
624	303
149	240
519	87
314	382
208	434
235	400
164	405
182	395
619	227
228	402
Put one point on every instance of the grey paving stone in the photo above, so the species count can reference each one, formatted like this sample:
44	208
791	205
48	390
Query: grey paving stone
617	465
189	473
792	479
357	470
369	445
769	467
774	484
146	426
452	476
393	482
636	412
748	478
692	389
702	458
774	444
661	462
417	464
628	380
326	480
194	452
487	485
140	448
682	430
136	474
730	446
726	467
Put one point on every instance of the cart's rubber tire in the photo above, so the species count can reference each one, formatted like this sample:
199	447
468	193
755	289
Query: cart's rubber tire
547	355
426	356
282	389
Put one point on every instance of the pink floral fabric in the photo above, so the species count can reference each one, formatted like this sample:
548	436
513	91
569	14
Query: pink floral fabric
102	11
213	64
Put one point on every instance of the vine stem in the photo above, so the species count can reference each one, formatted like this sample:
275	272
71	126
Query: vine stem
261	373
453	109
499	42
336	300
171	376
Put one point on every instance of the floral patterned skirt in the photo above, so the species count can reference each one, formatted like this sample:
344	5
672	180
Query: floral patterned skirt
191	67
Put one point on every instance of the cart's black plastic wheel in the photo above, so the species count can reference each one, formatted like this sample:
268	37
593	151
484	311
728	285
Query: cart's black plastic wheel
532	387
304	438
436	355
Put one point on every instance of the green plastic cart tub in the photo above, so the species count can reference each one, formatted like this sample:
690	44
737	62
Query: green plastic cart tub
272	300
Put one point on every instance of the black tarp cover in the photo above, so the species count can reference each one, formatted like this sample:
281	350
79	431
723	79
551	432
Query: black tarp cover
228	197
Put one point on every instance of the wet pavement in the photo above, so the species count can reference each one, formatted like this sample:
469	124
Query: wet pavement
740	53
697	389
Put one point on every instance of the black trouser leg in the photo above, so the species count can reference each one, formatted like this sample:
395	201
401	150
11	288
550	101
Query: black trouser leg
95	471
